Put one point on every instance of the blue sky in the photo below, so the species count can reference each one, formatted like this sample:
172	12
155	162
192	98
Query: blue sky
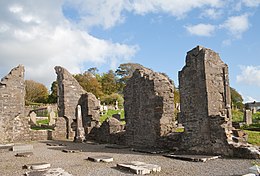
79	34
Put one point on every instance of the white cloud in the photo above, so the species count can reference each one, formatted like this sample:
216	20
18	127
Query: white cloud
201	29
236	25
211	13
41	38
251	3
177	8
249	75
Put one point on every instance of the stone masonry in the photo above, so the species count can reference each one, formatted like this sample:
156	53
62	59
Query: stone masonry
71	94
149	108
206	105
14	126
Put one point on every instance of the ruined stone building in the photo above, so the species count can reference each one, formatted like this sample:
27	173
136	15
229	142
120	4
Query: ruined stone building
206	105
149	108
71	94
13	124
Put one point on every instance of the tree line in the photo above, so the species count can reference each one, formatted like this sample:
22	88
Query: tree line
107	86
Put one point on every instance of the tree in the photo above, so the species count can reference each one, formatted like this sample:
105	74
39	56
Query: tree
109	83
124	72
35	92
236	99
54	90
89	83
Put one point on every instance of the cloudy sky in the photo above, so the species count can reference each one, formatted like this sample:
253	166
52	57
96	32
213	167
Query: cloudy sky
79	34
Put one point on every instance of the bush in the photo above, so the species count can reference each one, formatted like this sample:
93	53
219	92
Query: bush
237	115
111	99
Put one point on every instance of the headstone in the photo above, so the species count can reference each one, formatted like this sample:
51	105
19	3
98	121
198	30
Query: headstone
105	159
139	168
248	117
52	118
116	105
33	117
22	148
80	134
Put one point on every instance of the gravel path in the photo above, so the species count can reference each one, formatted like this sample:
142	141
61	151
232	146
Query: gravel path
77	165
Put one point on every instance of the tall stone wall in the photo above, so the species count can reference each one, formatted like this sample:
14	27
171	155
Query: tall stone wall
71	94
206	107
149	108
14	125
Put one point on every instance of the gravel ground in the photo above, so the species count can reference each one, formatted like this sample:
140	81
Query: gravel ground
77	165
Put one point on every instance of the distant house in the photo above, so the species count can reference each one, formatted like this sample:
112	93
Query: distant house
254	106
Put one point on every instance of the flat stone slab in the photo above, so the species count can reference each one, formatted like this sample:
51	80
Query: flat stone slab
255	170
24	154
105	159
49	172
22	148
37	166
115	146
139	168
194	158
150	151
54	144
71	151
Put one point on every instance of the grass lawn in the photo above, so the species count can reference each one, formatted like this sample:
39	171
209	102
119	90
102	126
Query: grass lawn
110	112
253	137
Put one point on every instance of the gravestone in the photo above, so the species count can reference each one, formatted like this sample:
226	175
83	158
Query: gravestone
33	117
248	116
149	108
80	134
52	118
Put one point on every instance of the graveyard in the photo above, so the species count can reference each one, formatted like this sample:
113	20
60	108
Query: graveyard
201	139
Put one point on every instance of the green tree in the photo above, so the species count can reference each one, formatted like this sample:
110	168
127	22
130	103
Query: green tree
236	99
89	83
109	83
124	72
52	98
35	92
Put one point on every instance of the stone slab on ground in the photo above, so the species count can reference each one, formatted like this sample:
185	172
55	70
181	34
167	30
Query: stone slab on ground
150	151
194	158
22	148
105	159
116	146
6	147
139	168
71	151
24	154
37	166
55	144
49	172
255	170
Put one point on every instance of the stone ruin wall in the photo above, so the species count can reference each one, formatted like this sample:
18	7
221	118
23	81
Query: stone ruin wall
206	107
205	102
71	94
13	123
149	108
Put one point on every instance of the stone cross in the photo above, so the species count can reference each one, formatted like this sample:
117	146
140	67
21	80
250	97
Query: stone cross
33	117
80	134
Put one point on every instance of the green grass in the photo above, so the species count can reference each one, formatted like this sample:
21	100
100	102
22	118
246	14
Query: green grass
44	121
253	137
179	130
110	112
